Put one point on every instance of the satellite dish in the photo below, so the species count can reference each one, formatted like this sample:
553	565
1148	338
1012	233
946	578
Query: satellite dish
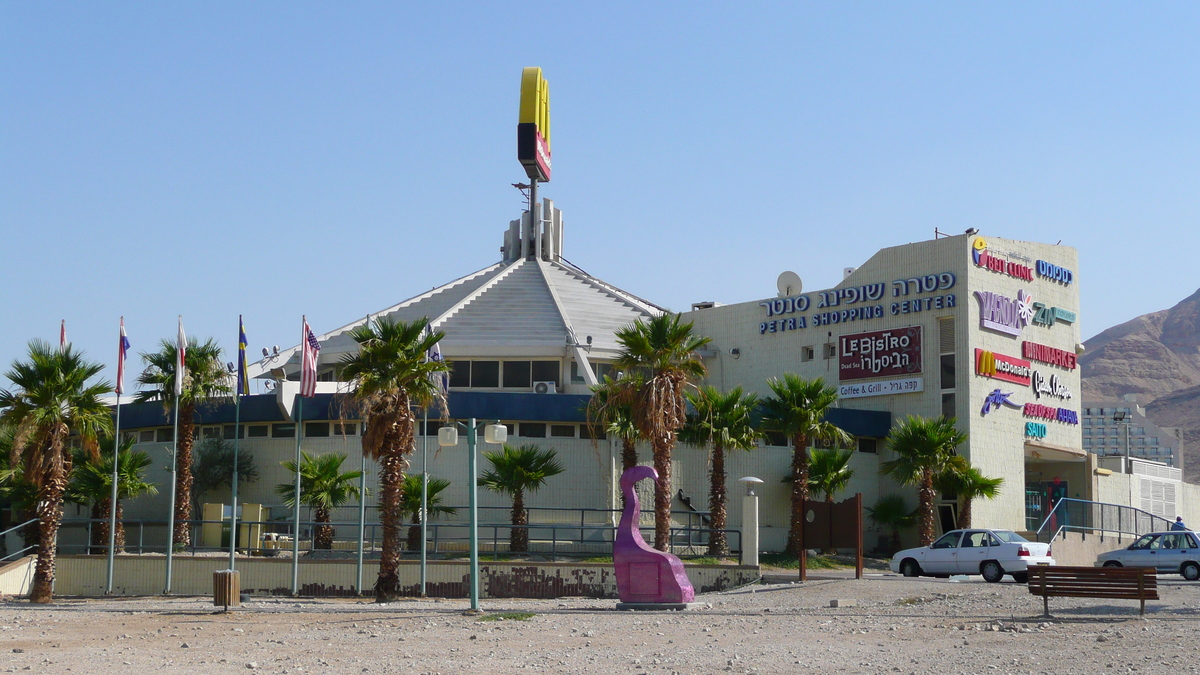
789	284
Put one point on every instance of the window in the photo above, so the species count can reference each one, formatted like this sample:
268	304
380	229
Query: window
228	432
948	404
316	429
256	431
830	350
164	435
146	436
774	438
460	373
347	429
947	371
592	431
562	431
485	374
548	371
807	354
868	445
210	432
533	429
283	431
517	374
947	540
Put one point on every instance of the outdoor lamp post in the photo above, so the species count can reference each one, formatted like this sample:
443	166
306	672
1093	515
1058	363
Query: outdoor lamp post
750	521
496	434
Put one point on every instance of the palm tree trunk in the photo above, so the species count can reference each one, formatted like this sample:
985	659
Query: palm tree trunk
183	476
518	536
119	539
49	518
629	459
391	482
323	533
716	504
100	527
964	513
925	507
662	492
414	534
795	540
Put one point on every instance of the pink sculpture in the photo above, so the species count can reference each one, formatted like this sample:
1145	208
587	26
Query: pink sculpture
645	574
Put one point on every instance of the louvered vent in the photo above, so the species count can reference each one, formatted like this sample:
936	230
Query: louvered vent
946	335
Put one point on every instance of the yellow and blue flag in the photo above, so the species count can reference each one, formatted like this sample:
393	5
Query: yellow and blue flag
243	383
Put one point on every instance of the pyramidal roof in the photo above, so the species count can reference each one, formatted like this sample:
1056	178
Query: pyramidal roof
533	303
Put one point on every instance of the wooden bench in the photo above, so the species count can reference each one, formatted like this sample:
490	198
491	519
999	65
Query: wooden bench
1122	583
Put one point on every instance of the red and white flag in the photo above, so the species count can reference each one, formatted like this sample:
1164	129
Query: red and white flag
122	352
62	336
309	349
180	358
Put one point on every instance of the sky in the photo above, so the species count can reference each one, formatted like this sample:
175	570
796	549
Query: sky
276	159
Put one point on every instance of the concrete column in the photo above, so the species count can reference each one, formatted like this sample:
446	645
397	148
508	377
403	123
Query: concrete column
750	529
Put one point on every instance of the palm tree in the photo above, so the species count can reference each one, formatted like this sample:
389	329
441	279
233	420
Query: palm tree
609	410
323	487
893	513
433	505
51	401
390	375
514	472
924	449
725	421
205	379
662	351
91	485
797	411
829	471
968	483
213	468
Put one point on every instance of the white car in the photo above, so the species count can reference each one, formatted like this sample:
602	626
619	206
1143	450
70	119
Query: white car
992	553
1176	552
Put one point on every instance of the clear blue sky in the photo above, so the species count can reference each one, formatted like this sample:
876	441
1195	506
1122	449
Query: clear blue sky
331	159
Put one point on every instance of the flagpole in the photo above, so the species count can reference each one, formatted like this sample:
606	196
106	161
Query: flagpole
424	493
237	429
296	494
112	515
362	508
171	514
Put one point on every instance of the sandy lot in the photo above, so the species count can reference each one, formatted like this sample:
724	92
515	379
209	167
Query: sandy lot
897	626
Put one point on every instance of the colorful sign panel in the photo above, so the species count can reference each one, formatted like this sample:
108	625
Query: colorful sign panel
1002	313
1050	413
1047	316
1002	367
1035	430
906	386
1051	355
990	261
880	353
1055	273
533	125
1051	386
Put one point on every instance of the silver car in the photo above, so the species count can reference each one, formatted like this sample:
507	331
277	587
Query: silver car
1175	552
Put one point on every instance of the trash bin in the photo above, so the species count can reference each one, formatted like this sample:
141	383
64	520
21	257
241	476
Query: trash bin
227	588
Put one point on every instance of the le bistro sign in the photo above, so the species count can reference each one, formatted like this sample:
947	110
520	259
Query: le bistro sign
880	353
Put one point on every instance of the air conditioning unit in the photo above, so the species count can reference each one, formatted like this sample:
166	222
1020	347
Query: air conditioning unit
545	387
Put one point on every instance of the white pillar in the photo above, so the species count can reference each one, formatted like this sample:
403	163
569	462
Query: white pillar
750	529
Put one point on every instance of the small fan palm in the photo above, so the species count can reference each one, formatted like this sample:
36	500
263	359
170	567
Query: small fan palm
323	487
829	471
513	472
924	449
91	485
797	410
969	484
610	411
892	512
433	505
725	421
52	400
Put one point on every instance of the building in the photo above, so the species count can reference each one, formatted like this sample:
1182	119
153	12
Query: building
1121	427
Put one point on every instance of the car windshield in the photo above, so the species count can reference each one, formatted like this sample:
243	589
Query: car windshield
1008	536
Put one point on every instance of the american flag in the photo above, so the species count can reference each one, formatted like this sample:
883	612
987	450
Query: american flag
309	349
122	352
180	358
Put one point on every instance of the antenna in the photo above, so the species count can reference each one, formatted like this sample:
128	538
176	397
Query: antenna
789	284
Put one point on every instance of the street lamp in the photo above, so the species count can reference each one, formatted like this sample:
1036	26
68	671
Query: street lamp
496	434
1120	417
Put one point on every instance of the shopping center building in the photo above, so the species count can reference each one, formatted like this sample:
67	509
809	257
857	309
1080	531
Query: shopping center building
973	326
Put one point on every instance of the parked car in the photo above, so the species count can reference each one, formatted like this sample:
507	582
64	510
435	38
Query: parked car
992	553
1176	552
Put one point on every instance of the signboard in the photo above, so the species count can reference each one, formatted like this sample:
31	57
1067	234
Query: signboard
533	125
1051	355
906	386
1004	314
880	353
1002	367
990	261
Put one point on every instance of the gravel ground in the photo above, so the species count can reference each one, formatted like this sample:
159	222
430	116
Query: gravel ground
897	625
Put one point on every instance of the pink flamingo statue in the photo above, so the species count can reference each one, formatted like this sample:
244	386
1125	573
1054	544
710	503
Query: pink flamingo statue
645	574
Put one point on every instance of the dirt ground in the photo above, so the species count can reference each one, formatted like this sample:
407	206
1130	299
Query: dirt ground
895	625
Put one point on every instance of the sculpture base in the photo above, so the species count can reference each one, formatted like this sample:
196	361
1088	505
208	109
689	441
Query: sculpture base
659	606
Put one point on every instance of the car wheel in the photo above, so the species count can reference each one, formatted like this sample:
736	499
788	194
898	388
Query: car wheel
1021	577
1112	563
910	568
1190	571
991	571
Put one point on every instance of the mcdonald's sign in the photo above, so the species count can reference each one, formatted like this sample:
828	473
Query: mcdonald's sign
1001	367
533	125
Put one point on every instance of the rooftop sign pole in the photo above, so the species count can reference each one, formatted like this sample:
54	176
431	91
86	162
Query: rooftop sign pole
533	137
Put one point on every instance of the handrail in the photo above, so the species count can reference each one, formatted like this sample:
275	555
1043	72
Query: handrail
1128	519
14	529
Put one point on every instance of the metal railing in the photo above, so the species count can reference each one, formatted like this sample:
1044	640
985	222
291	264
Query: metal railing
15	528
1099	518
445	539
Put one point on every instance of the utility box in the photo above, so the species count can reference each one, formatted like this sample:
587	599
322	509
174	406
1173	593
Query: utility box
215	531
227	588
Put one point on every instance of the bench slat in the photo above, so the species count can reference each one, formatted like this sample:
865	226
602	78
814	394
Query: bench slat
1117	583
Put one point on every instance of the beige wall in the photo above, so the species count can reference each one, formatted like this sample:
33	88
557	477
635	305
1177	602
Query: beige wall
16	576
